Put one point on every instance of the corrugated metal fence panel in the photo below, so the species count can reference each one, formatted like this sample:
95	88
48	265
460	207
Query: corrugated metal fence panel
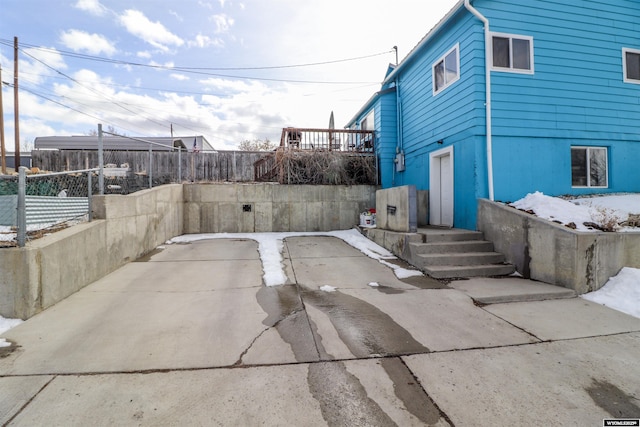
52	210
8	210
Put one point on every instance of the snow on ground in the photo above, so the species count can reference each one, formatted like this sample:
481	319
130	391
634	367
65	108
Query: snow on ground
5	325
327	288
600	209
621	292
270	247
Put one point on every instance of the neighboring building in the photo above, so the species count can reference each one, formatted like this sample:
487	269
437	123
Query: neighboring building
123	143
547	99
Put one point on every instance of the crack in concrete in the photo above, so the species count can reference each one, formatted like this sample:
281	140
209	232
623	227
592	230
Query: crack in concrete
246	350
28	402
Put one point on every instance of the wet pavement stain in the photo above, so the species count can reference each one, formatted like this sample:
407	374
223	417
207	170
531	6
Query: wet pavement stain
365	329
343	400
388	290
147	257
426	282
285	312
410	393
613	400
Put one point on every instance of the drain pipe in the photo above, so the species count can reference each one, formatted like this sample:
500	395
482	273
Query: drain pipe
487	66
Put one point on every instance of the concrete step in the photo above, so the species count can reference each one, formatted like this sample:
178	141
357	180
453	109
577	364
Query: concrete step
459	259
451	247
452	271
433	235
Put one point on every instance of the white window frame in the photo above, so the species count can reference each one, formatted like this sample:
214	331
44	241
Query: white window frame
626	79
369	121
588	148
442	60
511	69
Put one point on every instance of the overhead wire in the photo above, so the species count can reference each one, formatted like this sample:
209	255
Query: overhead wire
192	70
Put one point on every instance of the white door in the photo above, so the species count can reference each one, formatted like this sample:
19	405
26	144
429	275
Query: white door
441	188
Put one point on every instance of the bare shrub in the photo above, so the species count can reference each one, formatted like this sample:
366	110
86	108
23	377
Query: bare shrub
325	167
606	219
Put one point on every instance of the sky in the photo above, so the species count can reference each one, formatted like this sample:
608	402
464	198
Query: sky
225	69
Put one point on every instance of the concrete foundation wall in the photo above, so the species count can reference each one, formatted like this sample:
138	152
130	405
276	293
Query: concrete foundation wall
552	253
51	268
247	208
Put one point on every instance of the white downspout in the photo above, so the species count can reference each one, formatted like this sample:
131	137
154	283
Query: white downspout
487	66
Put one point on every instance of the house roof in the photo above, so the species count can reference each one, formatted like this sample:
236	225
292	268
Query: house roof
90	142
425	40
393	70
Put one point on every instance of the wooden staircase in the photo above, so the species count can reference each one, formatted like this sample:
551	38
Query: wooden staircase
456	253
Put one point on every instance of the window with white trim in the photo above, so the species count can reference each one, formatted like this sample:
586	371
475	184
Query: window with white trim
589	167
631	65
512	53
446	70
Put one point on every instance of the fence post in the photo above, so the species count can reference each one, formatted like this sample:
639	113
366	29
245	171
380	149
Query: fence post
90	195
100	161
150	166
22	207
179	165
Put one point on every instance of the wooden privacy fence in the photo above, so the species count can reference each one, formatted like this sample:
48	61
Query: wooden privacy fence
165	167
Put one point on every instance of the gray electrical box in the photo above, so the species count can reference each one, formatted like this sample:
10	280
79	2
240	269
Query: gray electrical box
399	162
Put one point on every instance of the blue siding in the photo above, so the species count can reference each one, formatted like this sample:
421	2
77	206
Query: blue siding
576	96
386	137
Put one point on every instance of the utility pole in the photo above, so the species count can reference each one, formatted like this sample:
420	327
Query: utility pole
16	110
3	154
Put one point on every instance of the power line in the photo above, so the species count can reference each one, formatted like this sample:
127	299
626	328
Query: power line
137	64
201	71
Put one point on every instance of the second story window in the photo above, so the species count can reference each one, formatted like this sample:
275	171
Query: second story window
512	53
631	65
446	70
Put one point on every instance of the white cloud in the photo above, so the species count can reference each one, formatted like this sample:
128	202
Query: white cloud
178	17
92	6
180	77
205	41
222	22
144	54
205	4
153	33
92	43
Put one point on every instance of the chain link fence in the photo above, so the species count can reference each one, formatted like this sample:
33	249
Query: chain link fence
32	205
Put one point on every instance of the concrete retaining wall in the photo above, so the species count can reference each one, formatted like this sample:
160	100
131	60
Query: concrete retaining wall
51	268
125	228
247	208
552	253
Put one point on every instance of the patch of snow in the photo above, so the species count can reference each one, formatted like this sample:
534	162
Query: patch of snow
405	273
621	292
5	325
374	284
601	209
327	288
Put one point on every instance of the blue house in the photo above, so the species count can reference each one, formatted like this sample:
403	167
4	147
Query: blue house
506	97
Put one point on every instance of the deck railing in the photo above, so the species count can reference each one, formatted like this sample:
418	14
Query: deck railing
328	139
